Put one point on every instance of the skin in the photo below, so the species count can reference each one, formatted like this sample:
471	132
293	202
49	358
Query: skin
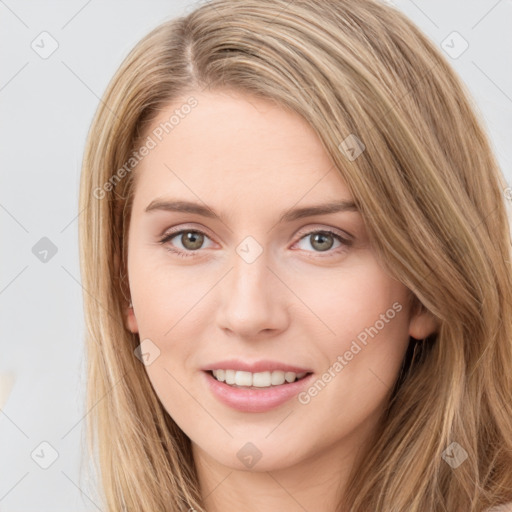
299	302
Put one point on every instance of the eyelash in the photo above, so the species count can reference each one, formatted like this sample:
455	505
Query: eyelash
186	254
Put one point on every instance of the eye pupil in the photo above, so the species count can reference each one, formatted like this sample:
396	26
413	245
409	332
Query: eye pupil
194	237
321	237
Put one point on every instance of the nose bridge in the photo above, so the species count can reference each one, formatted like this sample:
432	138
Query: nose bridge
249	280
250	300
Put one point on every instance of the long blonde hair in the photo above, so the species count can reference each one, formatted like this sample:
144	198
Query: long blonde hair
431	195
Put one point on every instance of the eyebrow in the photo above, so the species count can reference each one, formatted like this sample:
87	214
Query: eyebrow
288	216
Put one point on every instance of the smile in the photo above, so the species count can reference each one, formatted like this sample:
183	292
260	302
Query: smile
255	398
256	380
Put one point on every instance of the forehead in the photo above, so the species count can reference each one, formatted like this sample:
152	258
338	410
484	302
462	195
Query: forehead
236	145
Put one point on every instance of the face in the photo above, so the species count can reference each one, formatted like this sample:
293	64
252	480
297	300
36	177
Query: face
259	284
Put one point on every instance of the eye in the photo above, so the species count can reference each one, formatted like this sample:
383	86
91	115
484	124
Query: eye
323	241
191	241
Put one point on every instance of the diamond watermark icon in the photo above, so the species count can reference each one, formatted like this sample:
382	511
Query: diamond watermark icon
249	249
454	455
44	250
44	45
454	45
44	455
249	455
351	147
147	352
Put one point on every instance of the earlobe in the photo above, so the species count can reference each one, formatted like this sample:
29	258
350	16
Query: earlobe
131	321
422	324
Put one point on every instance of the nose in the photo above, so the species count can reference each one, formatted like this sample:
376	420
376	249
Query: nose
253	300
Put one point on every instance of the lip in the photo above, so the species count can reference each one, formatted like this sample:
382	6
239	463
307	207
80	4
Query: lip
254	367
254	400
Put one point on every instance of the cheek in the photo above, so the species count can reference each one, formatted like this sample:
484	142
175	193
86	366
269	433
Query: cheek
163	302
161	295
350	299
366	314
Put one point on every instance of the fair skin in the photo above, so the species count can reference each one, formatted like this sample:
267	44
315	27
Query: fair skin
299	302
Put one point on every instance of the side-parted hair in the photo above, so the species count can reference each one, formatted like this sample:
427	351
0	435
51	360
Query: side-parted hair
432	198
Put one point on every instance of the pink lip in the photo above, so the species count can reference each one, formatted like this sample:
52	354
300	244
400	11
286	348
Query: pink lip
254	400
254	367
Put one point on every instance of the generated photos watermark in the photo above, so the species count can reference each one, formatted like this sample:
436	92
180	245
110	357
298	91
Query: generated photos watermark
151	142
343	360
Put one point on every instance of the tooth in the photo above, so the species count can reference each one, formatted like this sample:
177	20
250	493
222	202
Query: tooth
261	380
277	378
290	376
243	378
230	376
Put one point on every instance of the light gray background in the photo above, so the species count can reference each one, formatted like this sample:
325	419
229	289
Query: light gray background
46	108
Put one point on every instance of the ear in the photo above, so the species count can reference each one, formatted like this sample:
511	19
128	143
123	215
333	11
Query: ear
422	322
131	321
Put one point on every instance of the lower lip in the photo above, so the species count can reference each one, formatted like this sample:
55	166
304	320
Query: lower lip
255	400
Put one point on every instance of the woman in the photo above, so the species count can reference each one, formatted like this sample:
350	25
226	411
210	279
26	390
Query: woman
297	262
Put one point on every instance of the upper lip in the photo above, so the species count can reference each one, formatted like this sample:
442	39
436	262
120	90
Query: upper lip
254	366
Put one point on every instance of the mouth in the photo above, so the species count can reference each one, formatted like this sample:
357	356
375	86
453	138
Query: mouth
255	393
258	380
